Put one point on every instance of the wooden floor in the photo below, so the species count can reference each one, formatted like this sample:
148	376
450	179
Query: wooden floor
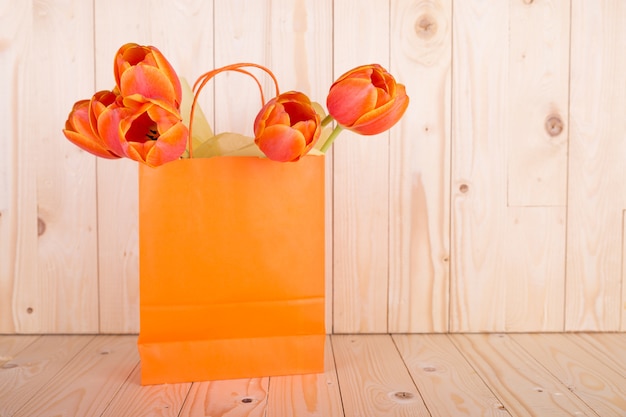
369	375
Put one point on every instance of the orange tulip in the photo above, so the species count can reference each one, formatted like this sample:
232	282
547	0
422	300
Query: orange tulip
142	73
144	132
81	124
287	127
367	100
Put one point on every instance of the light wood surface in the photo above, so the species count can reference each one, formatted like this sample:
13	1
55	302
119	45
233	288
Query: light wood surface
496	204
597	383
448	383
435	375
596	189
419	206
361	177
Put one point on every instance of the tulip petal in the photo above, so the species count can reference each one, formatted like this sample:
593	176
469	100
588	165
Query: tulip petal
109	129
150	83
281	143
169	147
382	118
88	144
132	55
79	131
348	100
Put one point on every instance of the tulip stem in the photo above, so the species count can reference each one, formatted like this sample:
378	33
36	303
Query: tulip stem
336	131
327	120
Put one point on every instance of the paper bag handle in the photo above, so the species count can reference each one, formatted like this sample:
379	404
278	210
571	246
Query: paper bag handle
206	77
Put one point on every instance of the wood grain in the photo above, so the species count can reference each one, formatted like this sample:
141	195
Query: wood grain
538	102
577	366
22	377
51	232
610	348
242	34
543	374
419	183
154	400
361	178
479	122
232	398
522	384
12	345
374	380
535	247
596	197
15	30
448	383
507	260
85	386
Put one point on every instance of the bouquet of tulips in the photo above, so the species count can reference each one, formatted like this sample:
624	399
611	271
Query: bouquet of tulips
149	115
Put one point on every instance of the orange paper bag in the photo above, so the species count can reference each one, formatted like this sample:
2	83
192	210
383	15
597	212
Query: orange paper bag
231	269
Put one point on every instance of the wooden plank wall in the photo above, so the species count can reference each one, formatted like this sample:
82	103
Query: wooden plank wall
497	204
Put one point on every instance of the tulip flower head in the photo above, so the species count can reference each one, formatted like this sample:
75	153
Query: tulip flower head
146	133
144	71
81	125
140	118
287	127
367	100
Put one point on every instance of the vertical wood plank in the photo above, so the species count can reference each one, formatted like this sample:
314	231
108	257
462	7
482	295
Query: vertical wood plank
419	214
576	365
181	30
448	383
33	368
15	34
479	126
306	395
623	274
534	269
53	240
230	398
539	99
508	254
522	384
373	378
361	186
537	164
85	386
242	34
596	196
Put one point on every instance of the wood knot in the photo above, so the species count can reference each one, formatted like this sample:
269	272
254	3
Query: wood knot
41	226
464	188
528	1
426	26
554	125
402	396
247	400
